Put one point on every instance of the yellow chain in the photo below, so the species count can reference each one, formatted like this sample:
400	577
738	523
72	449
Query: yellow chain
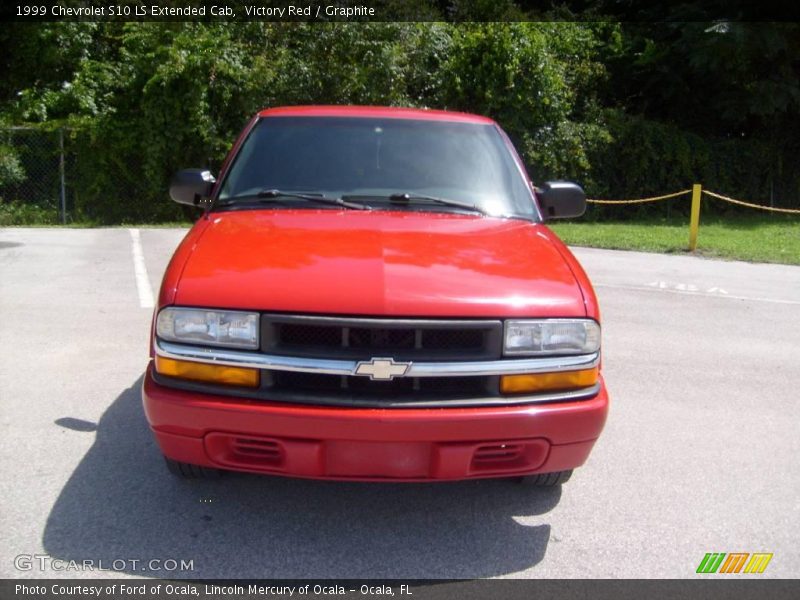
682	192
640	200
749	205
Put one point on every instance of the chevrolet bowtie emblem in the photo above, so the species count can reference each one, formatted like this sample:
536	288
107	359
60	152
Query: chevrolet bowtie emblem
384	369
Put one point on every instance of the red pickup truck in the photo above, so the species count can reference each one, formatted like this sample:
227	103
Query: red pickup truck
371	294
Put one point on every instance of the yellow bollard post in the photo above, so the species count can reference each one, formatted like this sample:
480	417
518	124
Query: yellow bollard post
694	224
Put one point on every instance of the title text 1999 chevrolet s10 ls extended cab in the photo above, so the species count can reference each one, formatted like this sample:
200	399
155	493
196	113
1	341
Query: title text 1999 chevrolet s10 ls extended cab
371	295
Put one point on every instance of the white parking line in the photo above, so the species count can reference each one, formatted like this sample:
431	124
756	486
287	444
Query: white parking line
140	269
687	292
686	287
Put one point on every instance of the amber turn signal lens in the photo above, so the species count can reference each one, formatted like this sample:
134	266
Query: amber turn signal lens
548	382
183	369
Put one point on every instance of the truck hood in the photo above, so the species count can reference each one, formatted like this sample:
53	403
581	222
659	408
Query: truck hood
379	263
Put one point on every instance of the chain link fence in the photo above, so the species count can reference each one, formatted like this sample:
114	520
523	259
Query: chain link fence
34	170
62	175
70	175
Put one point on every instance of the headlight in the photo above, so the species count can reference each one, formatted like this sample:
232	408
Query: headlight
210	327
551	336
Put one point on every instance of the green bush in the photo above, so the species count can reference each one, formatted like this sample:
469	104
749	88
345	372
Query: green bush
583	101
649	158
11	170
19	213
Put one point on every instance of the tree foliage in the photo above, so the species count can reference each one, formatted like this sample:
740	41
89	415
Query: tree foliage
627	109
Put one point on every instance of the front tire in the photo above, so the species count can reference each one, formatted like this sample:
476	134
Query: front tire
545	480
189	471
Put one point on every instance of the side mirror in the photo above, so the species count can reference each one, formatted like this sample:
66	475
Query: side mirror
561	200
191	186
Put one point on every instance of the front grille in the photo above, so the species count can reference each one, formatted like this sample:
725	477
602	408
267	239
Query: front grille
445	339
287	335
399	389
362	339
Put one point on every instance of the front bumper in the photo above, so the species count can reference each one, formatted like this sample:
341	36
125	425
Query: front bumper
414	444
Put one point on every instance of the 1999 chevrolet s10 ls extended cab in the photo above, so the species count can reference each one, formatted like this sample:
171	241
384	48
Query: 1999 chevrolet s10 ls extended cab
371	295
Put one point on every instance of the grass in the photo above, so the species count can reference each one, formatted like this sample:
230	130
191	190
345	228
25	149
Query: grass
770	238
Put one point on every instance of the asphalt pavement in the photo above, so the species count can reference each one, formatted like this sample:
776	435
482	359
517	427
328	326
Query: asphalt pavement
700	452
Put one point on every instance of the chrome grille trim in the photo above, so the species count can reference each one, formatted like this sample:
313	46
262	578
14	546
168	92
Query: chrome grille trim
257	360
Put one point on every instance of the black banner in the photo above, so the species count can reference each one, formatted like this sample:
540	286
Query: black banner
505	589
386	11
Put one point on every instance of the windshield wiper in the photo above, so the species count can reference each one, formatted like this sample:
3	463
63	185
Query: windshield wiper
270	194
406	198
274	194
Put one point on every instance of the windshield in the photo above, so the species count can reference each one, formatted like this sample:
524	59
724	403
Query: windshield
375	158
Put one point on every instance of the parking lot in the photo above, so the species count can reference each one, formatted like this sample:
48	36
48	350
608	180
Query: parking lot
700	452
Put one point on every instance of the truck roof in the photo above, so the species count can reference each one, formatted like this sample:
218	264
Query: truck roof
374	111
